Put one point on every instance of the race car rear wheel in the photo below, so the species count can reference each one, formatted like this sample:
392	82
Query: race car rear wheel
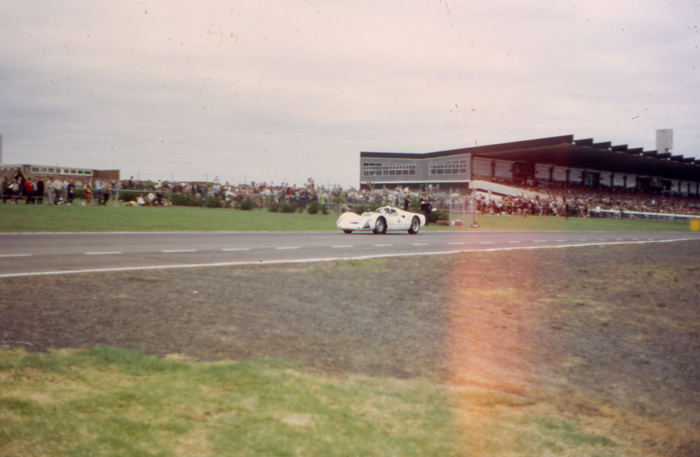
415	226
347	231
380	226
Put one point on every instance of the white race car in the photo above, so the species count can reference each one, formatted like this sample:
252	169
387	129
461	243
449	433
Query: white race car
386	218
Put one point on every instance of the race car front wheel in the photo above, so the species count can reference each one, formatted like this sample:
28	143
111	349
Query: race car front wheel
415	226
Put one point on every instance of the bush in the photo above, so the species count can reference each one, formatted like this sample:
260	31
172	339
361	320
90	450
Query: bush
273	207
439	215
289	207
246	204
313	208
213	202
184	200
414	205
359	209
128	196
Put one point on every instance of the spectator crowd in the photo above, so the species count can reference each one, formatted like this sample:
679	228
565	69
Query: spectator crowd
578	201
560	200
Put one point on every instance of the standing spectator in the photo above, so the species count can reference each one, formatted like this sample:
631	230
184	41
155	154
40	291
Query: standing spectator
87	189
425	207
116	187
29	190
70	193
99	190
5	189
64	190
107	192
40	189
51	188
57	191
20	184
14	190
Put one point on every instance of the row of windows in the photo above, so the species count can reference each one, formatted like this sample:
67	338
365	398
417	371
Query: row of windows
455	167
63	171
387	169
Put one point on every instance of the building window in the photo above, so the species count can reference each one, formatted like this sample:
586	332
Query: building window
387	169
371	169
455	167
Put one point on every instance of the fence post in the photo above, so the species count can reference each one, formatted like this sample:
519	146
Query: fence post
694	224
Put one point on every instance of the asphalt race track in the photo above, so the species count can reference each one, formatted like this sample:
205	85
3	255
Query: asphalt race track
64	253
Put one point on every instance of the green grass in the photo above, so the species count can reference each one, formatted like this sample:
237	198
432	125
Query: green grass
44	218
106	401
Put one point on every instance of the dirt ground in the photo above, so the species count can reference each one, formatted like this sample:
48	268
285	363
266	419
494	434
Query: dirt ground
607	336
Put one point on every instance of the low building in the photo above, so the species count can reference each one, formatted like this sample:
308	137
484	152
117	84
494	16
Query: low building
62	172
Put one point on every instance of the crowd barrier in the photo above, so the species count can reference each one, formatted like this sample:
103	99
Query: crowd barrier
624	214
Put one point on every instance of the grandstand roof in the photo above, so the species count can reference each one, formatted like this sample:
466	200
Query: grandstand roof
565	151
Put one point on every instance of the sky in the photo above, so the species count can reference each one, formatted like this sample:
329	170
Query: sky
282	91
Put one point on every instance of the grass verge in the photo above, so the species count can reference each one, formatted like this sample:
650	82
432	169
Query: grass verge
44	218
107	401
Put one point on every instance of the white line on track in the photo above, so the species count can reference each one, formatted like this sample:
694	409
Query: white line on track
329	259
382	245
235	249
173	251
539	241
420	244
16	255
285	248
455	244
340	246
103	253
487	242
513	242
561	241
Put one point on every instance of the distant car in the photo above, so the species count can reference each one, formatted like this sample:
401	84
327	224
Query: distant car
386	218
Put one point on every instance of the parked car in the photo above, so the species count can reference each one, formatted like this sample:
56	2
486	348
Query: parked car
384	219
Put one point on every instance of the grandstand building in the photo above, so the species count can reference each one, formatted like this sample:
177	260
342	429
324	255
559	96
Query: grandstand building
544	161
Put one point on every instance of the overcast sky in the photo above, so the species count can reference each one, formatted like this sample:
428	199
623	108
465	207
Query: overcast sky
278	91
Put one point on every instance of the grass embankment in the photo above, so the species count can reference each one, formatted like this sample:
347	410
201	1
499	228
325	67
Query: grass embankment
106	401
45	218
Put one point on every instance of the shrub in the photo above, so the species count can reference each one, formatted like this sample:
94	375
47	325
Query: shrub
313	208
289	207
363	208
213	202
439	215
414	205
128	196
273	207
246	204
183	200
